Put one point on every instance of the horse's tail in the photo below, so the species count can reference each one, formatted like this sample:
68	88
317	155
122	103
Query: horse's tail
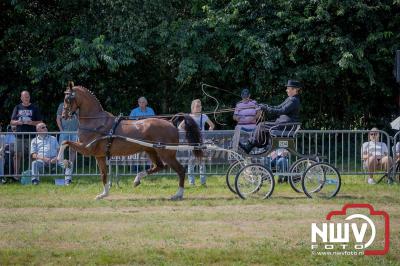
193	134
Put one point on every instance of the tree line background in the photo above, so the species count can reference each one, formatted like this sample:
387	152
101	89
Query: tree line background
343	52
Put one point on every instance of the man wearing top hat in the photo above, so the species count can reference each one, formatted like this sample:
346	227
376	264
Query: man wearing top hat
287	112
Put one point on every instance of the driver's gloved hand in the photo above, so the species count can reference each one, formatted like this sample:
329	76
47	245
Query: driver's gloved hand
263	107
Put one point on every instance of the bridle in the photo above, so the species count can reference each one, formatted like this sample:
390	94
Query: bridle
69	99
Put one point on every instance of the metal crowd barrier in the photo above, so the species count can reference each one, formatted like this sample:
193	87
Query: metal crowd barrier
341	148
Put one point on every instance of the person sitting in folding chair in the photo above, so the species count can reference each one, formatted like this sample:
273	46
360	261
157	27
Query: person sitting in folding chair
375	155
288	111
396	152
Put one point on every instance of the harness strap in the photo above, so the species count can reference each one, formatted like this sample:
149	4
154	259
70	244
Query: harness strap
110	136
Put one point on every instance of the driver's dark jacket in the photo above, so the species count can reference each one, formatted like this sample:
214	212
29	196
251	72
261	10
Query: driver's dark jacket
288	111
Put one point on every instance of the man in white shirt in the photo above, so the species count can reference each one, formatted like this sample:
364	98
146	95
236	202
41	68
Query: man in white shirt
375	155
44	151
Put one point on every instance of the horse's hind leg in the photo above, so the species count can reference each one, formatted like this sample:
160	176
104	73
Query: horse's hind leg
158	165
169	157
101	162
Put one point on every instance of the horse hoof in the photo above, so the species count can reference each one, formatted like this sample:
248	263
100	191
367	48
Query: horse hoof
176	197
136	183
99	197
67	164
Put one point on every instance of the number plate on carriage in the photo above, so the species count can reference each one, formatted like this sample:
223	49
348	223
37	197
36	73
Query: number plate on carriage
283	144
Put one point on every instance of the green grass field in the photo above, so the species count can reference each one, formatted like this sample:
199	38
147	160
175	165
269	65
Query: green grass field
51	225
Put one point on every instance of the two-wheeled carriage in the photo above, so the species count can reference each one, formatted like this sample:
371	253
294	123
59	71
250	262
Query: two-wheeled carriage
308	174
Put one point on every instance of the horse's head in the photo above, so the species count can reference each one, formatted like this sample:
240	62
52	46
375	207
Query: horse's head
70	104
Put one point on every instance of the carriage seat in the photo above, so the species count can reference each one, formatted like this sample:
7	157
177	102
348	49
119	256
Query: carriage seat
284	130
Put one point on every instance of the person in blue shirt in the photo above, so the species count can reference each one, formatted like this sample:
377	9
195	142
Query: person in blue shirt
68	125
142	111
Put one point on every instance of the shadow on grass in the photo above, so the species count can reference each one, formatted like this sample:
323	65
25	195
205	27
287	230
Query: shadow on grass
167	199
349	197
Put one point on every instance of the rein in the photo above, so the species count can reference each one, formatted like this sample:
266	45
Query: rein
221	111
227	110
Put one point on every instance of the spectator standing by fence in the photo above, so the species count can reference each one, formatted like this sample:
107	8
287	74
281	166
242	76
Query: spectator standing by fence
68	130
201	120
25	117
142	111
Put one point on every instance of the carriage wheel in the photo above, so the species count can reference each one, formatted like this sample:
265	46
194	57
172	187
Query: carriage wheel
231	175
297	170
254	181
321	180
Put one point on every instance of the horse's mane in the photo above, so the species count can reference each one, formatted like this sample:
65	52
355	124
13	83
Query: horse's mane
89	92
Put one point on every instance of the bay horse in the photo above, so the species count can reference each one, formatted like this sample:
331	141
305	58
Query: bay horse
95	123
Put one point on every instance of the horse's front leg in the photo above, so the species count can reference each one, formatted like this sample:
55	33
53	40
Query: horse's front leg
78	146
101	162
60	156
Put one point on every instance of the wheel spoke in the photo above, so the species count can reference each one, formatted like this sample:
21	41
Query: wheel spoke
297	171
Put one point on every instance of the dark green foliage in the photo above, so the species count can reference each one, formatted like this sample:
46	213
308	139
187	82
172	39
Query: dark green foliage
342	51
